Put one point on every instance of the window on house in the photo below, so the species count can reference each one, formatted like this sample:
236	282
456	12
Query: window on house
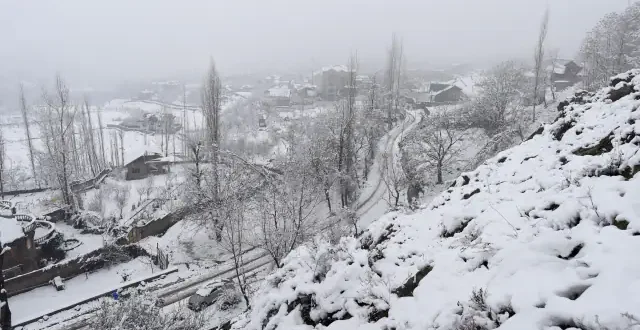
135	170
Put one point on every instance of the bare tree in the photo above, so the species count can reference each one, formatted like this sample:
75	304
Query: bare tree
230	223
393	78
121	197
538	62
611	47
101	136
3	152
501	90
96	204
439	141
346	146
287	205
393	177
211	103
138	312
121	136
57	131
27	130
93	154
553	57
196	155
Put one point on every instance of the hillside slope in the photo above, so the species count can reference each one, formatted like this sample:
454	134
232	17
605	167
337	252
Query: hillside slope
543	236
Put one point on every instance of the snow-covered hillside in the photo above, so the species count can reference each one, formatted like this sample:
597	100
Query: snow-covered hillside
543	236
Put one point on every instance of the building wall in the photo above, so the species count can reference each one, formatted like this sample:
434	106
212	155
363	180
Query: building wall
451	95
330	83
89	262
155	227
23	254
137	170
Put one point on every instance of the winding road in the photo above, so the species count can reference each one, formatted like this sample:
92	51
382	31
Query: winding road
372	203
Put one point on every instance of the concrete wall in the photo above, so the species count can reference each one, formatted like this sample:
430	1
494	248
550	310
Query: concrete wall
23	254
91	183
155	227
89	262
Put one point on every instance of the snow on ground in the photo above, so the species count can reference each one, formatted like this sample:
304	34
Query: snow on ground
373	197
89	242
548	230
141	193
186	242
38	301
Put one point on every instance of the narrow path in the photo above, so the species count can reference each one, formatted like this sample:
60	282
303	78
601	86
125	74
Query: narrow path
374	205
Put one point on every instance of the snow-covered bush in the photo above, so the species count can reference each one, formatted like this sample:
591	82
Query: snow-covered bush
138	312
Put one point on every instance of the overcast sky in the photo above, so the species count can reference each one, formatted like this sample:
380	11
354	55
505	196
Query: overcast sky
111	40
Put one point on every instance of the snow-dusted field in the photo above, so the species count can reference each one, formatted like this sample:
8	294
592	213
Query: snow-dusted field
135	143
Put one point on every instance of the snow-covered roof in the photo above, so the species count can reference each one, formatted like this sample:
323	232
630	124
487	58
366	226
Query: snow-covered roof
544	235
280	91
10	230
166	159
337	68
146	155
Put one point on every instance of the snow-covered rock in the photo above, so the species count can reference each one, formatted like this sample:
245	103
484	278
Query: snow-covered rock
543	236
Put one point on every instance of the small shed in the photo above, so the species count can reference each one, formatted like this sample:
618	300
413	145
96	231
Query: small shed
144	166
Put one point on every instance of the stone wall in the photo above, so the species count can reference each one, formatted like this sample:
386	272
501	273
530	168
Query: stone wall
89	262
155	227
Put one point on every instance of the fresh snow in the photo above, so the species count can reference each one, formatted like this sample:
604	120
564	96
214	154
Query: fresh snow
10	230
41	300
531	227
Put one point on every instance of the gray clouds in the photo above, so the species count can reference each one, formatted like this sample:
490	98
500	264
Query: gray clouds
124	39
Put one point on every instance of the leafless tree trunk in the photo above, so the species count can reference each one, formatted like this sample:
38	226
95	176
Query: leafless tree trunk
3	152
439	141
392	78
394	179
554	58
211	103
92	140
288	204
121	196
121	135
101	135
58	133
347	151
27	131
538	60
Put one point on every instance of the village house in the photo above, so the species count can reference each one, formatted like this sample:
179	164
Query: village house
436	93
564	73
278	96
146	95
304	94
152	123
145	165
330	80
23	254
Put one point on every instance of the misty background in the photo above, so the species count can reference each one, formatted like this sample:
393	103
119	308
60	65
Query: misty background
101	43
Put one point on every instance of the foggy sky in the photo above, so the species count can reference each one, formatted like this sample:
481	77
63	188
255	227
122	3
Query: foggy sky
114	40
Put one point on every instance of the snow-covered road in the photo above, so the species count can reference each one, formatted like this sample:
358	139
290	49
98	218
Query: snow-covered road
372	203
